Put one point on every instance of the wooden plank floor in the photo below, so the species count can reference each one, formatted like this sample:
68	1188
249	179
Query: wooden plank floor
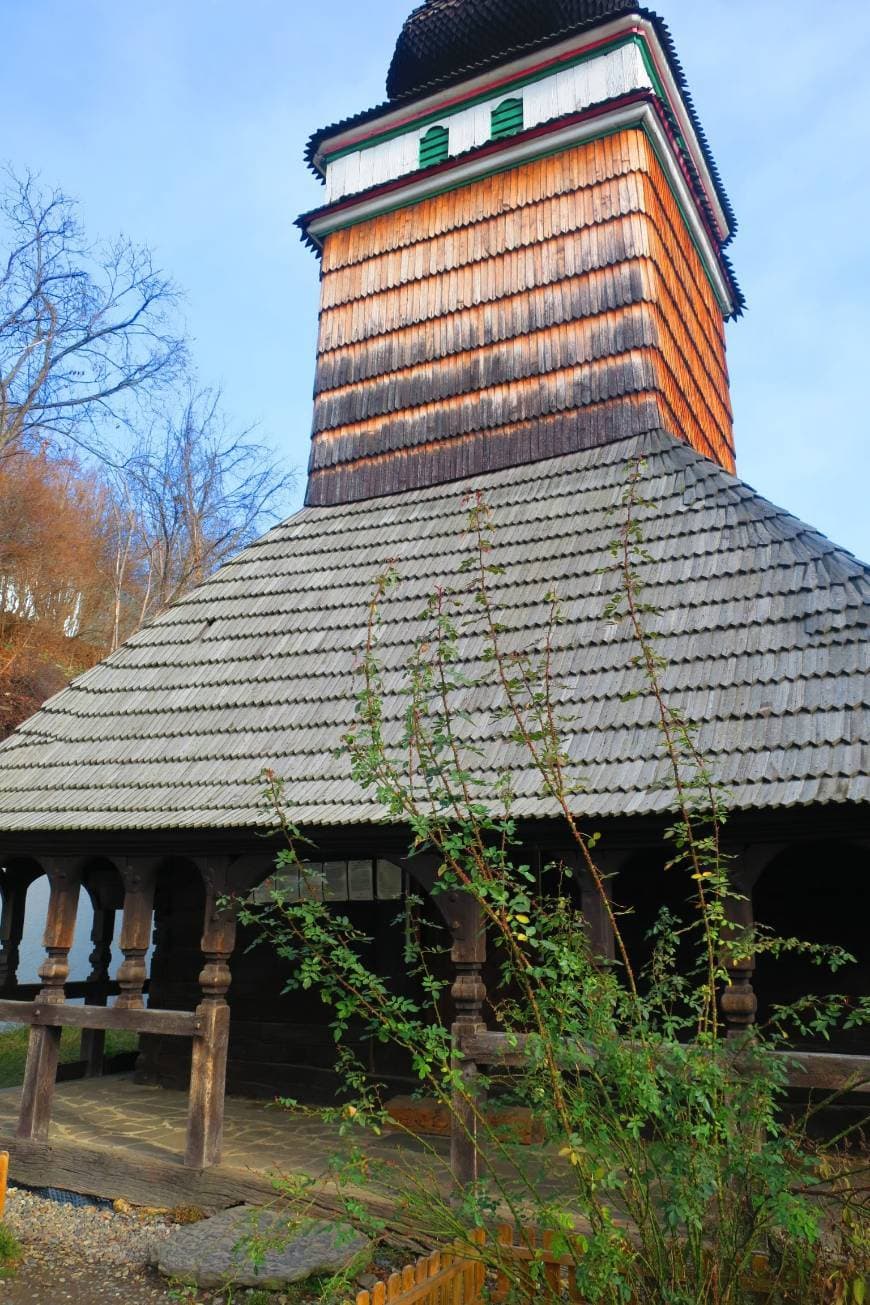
114	1138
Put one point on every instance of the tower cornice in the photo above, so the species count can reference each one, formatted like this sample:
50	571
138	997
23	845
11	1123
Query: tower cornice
366	130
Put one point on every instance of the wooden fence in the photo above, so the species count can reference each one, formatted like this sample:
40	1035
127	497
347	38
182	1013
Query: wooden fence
457	1276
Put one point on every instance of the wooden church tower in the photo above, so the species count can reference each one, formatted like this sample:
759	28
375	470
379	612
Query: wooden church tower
522	252
524	292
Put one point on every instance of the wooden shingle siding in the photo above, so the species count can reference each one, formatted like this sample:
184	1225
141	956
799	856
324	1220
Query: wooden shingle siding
562	175
552	288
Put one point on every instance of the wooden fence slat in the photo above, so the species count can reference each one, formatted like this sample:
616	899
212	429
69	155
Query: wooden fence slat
457	1275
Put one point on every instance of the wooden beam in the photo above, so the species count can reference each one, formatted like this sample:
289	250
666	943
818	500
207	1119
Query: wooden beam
47	1015
494	1048
828	1072
823	1072
79	990
152	1180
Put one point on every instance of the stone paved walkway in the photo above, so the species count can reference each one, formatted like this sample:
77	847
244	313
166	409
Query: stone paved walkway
115	1138
152	1121
144	1127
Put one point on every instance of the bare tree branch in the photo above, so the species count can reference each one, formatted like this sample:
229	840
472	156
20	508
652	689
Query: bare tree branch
86	331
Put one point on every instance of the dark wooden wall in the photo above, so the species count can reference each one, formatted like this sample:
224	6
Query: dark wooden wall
280	1043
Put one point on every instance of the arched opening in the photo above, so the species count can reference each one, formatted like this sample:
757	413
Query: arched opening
93	959
641	892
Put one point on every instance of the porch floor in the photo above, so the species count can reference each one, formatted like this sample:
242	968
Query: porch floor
112	1137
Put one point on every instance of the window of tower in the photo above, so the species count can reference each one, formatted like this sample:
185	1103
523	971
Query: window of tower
434	146
507	119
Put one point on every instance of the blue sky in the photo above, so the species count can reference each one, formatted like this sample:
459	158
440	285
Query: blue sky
182	124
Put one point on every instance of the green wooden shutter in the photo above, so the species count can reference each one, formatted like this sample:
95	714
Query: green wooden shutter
507	119
434	147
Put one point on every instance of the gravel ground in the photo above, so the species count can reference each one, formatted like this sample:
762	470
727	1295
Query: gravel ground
94	1256
81	1253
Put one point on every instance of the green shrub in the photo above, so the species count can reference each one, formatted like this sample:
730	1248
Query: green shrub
669	1173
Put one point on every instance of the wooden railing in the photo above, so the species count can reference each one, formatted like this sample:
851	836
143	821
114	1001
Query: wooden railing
170	1023
822	1071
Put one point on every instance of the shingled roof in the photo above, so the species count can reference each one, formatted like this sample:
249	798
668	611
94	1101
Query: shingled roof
444	38
765	627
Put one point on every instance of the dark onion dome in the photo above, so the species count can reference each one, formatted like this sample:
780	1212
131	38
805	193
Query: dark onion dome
444	38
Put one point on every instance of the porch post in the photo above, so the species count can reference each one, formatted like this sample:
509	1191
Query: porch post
208	1070
15	888
139	878
93	1042
595	913
738	1002
44	1047
592	905
469	995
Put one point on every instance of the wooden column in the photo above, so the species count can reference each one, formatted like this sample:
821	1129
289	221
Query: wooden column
44	1047
469	995
208	1070
464	919
15	888
93	1044
595	911
139	878
592	904
738	1002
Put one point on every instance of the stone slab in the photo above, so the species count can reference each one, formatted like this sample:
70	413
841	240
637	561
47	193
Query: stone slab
209	1253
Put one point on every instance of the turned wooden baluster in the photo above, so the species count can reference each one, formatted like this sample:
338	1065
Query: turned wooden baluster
44	1047
139	878
738	1002
208	1069
93	1041
469	995
15	888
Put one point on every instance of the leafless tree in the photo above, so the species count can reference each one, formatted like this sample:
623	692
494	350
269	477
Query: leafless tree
85	330
201	490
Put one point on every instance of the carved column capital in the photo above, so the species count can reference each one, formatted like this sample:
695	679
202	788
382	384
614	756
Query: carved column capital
139	877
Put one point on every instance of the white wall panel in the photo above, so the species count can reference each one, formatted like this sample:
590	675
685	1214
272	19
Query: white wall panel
568	91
